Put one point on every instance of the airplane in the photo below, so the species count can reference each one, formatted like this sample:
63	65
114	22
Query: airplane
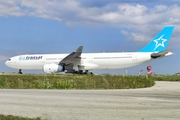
78	62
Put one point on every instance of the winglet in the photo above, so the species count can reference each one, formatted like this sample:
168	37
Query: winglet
160	41
79	50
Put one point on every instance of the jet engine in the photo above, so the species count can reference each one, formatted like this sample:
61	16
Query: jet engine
53	68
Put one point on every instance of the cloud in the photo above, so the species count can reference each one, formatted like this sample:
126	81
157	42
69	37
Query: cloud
2	58
124	32
72	12
135	36
10	8
136	16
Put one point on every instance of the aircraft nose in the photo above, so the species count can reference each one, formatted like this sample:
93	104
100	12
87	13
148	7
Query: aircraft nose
6	63
10	62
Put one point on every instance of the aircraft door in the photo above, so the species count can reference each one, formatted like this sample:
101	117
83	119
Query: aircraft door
90	58
134	57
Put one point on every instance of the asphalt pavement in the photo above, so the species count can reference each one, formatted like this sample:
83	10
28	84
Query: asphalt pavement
160	102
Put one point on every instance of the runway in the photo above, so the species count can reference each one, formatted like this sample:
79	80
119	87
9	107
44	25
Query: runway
160	102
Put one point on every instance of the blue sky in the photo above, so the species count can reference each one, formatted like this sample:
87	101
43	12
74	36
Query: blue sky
61	26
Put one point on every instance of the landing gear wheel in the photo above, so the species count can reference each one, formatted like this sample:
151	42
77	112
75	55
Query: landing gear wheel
20	72
86	72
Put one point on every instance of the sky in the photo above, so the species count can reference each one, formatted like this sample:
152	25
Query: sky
61	26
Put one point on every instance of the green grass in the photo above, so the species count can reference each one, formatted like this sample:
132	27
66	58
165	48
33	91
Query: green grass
57	81
167	78
11	117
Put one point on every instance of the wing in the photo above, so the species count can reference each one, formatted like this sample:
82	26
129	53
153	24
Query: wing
72	58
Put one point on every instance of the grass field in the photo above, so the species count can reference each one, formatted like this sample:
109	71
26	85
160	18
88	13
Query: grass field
167	78
11	117
74	81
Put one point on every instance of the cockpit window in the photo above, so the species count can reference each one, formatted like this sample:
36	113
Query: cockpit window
9	59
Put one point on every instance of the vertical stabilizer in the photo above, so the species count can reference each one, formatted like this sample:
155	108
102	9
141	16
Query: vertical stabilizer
160	41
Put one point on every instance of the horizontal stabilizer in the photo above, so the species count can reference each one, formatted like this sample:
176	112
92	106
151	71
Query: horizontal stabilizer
160	54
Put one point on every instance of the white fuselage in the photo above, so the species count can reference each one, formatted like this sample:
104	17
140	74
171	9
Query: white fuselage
90	60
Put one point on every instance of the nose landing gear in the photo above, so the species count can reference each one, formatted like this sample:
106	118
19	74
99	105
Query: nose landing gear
19	72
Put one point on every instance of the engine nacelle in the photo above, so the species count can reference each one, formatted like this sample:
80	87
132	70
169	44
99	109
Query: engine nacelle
53	68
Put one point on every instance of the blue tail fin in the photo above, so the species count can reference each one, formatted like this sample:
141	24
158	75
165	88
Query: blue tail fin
160	42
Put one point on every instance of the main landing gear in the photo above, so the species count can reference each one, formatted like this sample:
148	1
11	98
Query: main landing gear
82	72
78	72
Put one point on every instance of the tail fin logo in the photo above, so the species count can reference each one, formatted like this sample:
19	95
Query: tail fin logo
160	42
